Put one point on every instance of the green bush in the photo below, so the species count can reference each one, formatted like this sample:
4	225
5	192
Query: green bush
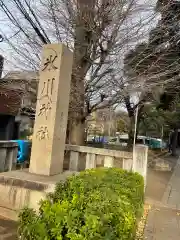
96	204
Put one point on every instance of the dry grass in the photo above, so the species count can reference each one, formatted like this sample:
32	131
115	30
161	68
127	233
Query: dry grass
142	223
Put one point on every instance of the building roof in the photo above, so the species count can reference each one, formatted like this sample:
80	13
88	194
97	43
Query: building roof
11	91
22	75
24	81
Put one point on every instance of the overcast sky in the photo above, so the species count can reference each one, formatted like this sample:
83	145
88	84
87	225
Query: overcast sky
6	28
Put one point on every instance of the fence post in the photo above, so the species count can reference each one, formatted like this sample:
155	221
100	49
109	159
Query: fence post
74	161
141	160
127	164
108	161
90	161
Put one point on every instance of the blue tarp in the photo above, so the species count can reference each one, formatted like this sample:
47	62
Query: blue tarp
23	150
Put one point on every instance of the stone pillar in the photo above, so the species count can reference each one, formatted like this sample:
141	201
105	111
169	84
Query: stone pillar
49	136
141	160
74	161
90	161
108	161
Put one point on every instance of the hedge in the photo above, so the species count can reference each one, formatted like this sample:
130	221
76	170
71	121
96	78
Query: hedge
96	204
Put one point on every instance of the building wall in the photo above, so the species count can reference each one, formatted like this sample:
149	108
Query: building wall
26	82
6	127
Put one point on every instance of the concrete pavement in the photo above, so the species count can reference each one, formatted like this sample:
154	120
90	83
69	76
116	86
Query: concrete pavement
171	196
163	224
164	217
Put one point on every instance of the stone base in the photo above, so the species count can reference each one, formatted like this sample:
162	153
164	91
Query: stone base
164	167
161	165
19	189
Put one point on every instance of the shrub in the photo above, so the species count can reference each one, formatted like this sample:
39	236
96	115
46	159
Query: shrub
96	204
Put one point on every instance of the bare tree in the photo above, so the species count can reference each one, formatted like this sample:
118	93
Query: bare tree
98	31
154	63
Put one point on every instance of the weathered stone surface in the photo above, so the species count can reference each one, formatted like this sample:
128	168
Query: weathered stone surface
160	164
19	189
140	157
52	110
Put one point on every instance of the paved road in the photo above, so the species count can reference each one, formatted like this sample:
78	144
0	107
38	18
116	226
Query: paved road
8	229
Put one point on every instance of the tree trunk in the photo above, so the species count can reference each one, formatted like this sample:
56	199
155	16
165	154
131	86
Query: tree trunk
77	134
174	142
131	112
81	66
1	65
131	132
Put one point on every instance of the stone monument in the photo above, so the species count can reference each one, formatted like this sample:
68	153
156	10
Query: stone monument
49	136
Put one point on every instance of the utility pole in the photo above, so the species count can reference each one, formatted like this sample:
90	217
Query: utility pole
162	135
1	59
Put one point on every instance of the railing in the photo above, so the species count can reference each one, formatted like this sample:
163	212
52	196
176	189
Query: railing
82	157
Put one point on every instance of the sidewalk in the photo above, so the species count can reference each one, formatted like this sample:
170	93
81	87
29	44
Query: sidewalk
171	197
163	221
163	224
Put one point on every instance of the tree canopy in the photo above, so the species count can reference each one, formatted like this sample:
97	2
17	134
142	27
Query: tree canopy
157	60
98	32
